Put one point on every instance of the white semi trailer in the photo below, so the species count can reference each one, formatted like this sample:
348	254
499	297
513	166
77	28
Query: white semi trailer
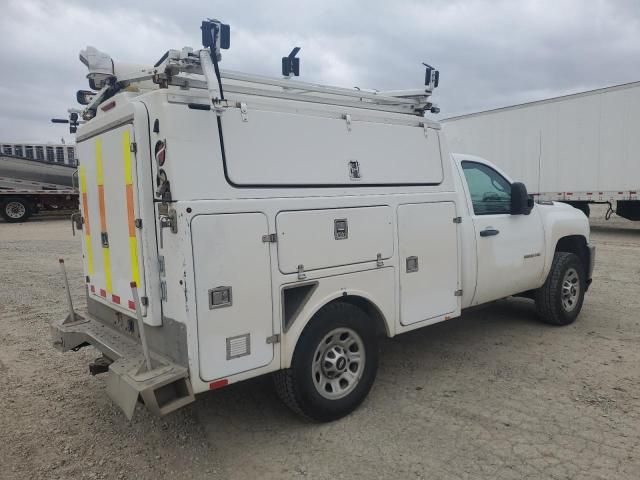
578	149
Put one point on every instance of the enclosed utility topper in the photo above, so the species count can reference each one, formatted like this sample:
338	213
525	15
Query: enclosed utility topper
238	225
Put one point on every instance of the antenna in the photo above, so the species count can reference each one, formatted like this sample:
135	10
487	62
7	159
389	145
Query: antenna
291	64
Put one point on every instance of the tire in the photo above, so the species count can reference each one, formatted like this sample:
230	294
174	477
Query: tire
15	209
333	366
560	299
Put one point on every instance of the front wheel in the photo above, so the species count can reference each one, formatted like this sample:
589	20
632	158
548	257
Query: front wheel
559	300
334	364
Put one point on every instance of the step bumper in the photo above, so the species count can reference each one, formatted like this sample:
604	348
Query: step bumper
163	389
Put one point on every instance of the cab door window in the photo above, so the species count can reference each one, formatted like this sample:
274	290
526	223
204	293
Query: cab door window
490	192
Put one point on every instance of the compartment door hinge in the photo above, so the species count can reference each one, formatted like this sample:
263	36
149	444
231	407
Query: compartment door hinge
244	112
457	220
347	119
133	147
270	238
458	293
273	339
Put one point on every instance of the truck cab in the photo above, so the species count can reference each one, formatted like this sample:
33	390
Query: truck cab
514	249
237	225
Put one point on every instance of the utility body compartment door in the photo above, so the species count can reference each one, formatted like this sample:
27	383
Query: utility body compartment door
428	256
287	148
112	247
232	268
334	237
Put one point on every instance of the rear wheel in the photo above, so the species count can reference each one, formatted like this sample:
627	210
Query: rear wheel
559	300
334	364
15	209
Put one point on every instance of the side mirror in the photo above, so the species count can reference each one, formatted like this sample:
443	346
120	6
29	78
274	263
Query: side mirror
521	203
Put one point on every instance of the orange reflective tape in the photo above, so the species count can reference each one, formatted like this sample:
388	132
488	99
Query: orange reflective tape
101	204
85	208
130	215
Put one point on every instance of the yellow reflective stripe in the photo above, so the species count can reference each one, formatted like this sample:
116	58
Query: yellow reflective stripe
99	176
87	224
133	251
107	270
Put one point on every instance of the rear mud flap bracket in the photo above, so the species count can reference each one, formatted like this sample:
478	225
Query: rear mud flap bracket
163	389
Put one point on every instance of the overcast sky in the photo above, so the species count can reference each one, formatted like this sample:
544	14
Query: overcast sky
490	53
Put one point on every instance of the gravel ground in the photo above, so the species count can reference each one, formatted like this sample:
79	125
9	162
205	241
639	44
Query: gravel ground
491	395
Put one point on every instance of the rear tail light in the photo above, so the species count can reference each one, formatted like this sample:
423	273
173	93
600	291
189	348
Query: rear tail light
160	152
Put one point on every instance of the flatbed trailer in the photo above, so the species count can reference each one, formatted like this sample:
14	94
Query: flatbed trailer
29	186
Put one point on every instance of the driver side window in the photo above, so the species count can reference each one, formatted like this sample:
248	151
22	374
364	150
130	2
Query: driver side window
490	192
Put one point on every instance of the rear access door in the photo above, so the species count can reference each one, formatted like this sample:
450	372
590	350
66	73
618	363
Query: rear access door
112	246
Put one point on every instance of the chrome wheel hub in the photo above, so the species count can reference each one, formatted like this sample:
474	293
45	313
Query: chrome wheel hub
570	290
338	363
15	210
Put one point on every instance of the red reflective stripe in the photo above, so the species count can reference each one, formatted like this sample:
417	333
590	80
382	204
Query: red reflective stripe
103	293
132	305
218	384
115	299
93	289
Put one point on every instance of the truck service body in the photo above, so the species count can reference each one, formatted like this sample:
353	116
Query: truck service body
282	227
579	149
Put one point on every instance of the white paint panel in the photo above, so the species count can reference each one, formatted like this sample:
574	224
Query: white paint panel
581	143
307	237
427	231
228	252
294	149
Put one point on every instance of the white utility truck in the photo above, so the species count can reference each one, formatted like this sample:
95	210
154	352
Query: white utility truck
578	149
237	225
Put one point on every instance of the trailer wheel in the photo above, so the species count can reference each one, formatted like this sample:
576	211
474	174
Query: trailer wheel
559	300
15	209
334	364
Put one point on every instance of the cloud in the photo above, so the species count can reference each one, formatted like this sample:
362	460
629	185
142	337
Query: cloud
490	53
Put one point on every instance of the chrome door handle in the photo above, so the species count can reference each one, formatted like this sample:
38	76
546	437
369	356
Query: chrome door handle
489	232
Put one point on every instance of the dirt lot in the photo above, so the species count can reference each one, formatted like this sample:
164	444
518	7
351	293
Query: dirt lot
491	395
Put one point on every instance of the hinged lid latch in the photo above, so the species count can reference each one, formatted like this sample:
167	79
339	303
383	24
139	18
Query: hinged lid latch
458	293
426	129
270	238
457	220
133	147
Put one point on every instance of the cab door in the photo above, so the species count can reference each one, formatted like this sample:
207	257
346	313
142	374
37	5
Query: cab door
509	248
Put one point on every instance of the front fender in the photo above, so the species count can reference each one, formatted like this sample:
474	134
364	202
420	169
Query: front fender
560	220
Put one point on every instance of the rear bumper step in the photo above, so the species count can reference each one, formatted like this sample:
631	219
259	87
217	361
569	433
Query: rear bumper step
163	389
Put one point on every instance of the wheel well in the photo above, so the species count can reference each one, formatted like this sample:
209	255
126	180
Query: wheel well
577	245
372	311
